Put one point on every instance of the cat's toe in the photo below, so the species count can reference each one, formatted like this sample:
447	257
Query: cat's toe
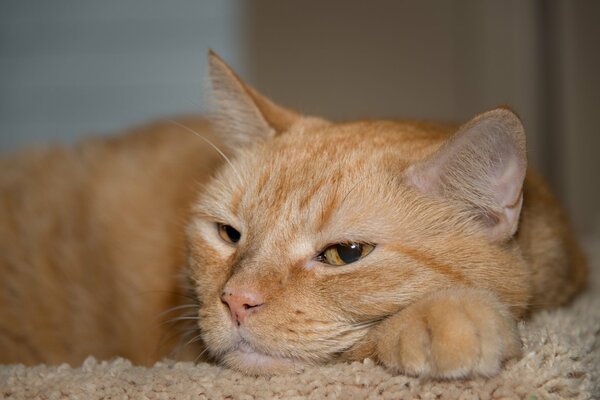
455	343
404	343
411	351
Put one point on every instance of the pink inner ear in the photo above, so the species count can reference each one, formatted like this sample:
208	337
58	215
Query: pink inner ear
483	166
507	186
507	191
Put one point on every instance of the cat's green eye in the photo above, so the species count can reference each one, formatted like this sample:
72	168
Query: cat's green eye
228	233
345	253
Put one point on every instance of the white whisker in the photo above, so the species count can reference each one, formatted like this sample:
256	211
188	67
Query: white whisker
170	310
178	319
200	355
184	318
192	340
221	153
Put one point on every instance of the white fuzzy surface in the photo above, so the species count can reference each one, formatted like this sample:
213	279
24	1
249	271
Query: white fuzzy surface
561	359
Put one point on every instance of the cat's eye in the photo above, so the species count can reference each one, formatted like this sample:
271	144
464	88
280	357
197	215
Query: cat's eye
345	253
228	233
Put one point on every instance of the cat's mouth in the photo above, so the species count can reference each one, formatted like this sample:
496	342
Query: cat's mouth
248	360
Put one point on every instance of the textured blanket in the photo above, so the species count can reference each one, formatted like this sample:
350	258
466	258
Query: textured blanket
561	360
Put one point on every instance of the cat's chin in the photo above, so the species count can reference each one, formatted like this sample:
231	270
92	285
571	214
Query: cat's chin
252	362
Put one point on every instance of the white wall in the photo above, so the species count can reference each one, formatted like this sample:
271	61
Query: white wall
68	67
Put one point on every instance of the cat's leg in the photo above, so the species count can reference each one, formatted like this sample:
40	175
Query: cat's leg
452	333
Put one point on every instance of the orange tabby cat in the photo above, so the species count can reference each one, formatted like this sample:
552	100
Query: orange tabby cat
417	244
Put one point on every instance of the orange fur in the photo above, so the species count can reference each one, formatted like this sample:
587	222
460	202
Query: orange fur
94	241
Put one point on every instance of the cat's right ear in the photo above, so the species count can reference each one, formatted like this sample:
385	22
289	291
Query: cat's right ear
483	167
244	115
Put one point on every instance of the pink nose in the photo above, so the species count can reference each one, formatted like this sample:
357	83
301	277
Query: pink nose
241	303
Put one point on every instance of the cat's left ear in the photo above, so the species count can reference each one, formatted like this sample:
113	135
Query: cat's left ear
483	168
244	114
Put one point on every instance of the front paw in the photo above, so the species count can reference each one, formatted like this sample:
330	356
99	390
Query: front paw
454	333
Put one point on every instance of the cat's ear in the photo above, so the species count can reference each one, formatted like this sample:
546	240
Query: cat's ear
243	114
482	166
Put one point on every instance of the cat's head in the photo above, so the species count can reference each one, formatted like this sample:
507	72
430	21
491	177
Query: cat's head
316	231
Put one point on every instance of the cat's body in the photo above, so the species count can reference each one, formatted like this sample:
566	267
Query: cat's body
94	241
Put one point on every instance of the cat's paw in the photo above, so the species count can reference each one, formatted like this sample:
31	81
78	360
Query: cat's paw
454	333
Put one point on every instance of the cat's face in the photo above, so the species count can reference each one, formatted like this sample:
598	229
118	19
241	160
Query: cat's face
312	236
296	196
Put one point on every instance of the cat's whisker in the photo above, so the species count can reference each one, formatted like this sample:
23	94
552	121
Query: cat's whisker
173	309
221	153
183	335
531	304
196	338
200	355
172	333
367	324
185	318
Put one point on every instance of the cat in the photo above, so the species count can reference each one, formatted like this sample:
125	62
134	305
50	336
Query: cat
283	240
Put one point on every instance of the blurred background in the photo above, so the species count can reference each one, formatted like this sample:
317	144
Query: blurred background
70	68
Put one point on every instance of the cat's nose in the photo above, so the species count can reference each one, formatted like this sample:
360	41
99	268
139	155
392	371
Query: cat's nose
241	303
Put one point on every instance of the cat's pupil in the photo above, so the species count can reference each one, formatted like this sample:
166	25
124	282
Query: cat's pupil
233	234
350	252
